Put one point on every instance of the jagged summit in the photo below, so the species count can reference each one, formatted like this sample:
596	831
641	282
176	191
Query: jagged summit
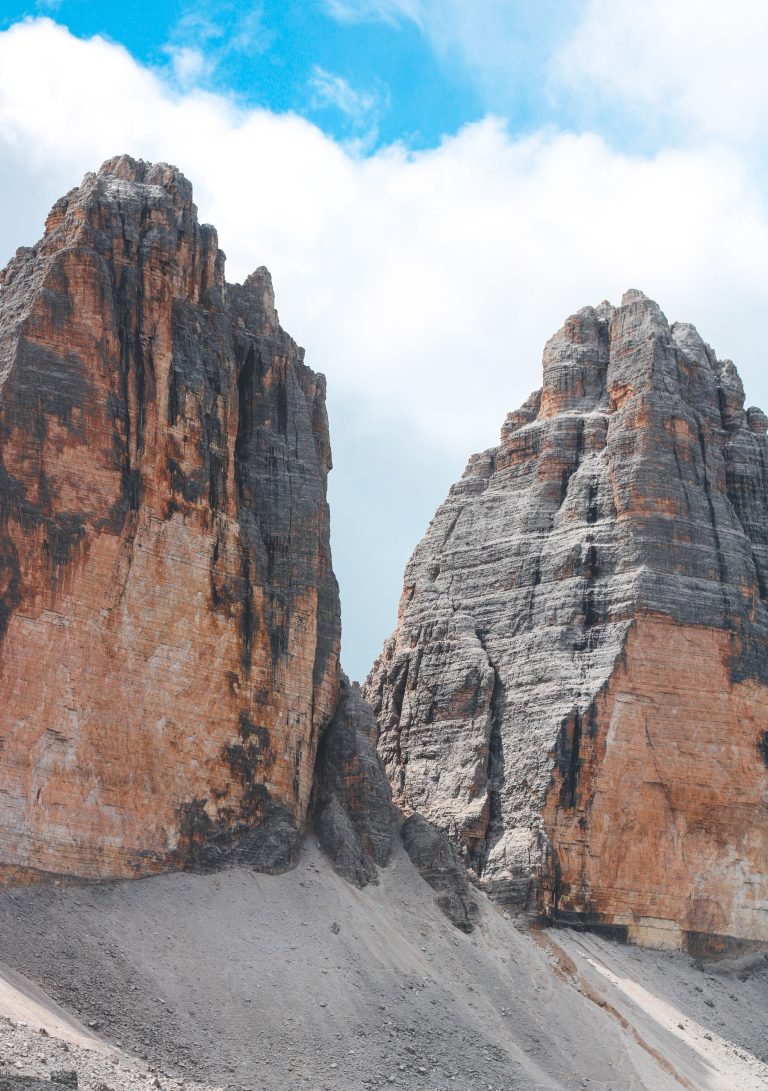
577	688
127	169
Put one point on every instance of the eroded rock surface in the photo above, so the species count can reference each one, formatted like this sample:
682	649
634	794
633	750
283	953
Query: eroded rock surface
353	812
577	689
439	864
169	618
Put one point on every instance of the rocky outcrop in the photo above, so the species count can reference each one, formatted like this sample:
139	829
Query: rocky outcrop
577	689
439	865
352	803
169	618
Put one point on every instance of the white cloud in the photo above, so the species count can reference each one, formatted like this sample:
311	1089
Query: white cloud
189	65
406	274
425	284
700	65
387	11
499	46
331	90
201	42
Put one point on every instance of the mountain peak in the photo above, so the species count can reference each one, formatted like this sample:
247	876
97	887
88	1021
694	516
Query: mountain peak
576	689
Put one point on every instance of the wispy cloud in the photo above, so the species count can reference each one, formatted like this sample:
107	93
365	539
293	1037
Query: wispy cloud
201	42
331	91
386	11
499	45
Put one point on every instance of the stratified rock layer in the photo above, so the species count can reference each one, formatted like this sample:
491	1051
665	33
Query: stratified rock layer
169	620
577	689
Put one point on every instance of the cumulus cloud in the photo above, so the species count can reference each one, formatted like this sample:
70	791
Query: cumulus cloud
700	67
423	284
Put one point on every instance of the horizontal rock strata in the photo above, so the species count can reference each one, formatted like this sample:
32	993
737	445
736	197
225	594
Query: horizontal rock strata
169	618
577	688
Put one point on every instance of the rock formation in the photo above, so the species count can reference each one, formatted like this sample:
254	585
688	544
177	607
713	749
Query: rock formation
353	813
439	864
577	688
355	820
169	619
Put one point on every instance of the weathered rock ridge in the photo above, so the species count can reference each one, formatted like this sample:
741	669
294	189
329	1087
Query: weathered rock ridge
169	618
577	688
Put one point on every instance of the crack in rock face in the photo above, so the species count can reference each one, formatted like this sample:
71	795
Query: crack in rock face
576	691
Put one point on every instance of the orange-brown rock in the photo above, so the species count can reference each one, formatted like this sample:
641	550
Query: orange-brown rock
169	620
577	689
660	828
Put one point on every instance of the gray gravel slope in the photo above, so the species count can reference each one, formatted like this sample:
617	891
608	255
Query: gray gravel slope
300	980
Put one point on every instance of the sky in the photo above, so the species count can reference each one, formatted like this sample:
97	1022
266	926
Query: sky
435	186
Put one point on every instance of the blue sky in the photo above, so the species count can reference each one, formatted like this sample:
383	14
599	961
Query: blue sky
368	77
376	71
434	184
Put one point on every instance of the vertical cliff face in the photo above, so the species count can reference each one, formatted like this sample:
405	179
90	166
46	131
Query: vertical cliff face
577	689
169	618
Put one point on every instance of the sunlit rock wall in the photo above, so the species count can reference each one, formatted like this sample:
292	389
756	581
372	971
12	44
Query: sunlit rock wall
169	618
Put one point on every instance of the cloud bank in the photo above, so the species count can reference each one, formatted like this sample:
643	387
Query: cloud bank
423	284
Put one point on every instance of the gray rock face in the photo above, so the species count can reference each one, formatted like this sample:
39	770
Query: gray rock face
352	801
526	694
440	865
11	1082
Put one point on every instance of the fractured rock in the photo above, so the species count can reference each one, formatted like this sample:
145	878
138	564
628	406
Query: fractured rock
577	688
353	812
439	864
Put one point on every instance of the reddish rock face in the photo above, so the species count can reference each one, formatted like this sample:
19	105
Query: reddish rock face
577	689
659	828
169	619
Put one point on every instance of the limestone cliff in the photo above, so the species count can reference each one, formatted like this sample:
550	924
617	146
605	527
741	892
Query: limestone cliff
577	688
169	618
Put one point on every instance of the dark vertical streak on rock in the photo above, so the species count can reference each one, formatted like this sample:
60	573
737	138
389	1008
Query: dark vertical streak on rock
10	580
762	746
578	451
494	774
245	384
248	620
721	565
569	759
495	770
592	512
